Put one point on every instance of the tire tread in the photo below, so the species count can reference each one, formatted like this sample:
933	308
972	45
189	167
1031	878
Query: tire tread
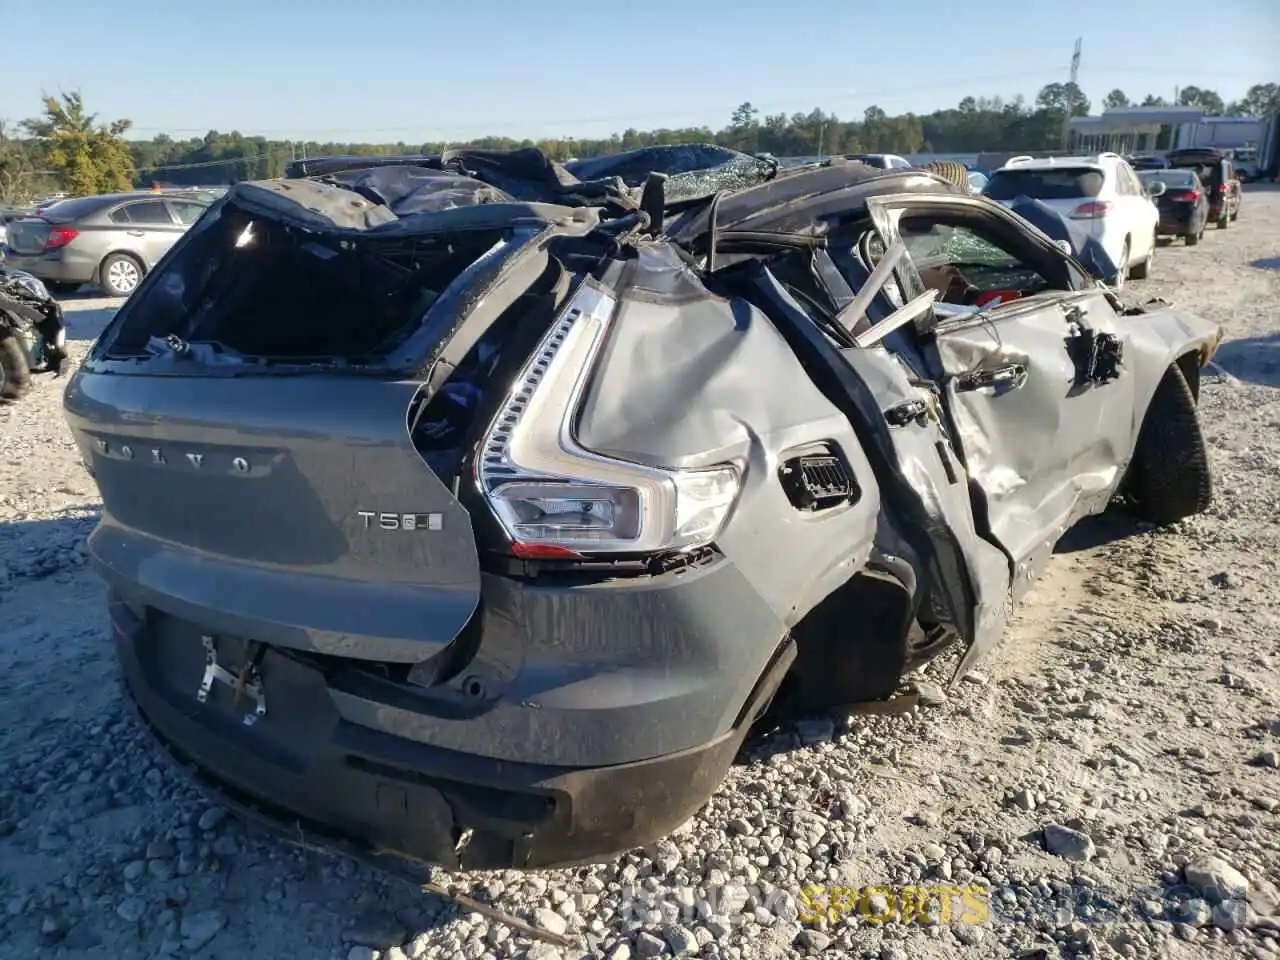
1170	477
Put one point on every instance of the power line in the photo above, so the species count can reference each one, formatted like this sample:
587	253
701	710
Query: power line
846	96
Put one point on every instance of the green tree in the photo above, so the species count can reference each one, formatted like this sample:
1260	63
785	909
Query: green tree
1115	99
87	156
1260	100
1153	100
744	117
744	128
1063	99
1207	100
17	171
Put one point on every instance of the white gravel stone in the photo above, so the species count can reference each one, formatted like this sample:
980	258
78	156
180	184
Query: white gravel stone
1217	879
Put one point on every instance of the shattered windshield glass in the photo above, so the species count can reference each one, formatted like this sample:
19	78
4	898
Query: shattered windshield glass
940	242
695	169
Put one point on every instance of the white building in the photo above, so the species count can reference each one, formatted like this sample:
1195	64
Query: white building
1146	129
1131	129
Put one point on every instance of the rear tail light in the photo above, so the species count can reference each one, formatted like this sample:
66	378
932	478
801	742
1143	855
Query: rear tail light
1091	210
60	237
1222	188
554	498
1186	196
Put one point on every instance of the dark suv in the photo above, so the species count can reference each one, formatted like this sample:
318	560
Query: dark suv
1216	171
459	508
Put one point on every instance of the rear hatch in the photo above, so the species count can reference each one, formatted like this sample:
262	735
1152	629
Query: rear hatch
1070	190
245	418
1208	169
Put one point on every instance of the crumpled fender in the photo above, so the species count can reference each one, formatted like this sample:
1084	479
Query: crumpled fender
1159	338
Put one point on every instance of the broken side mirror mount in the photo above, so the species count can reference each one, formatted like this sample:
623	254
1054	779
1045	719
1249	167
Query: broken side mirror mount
653	201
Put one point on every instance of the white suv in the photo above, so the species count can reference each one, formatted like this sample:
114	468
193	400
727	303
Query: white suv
1100	193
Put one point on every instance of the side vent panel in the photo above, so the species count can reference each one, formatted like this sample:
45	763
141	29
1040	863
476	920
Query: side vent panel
816	477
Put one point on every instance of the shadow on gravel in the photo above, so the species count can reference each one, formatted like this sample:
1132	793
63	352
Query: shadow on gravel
88	318
1253	359
34	549
1093	532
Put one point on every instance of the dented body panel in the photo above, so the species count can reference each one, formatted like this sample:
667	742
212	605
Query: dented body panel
515	499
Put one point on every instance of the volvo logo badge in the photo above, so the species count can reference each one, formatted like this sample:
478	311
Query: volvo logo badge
196	461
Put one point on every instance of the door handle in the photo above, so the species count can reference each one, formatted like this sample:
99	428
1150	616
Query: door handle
1011	376
135	233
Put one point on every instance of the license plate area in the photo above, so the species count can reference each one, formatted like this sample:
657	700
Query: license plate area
250	694
245	682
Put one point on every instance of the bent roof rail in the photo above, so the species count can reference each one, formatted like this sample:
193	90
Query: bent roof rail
320	206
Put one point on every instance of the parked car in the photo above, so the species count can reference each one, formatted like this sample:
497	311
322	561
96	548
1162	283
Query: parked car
111	240
33	334
1101	191
457	535
1216	172
881	161
1182	201
1245	161
1067	234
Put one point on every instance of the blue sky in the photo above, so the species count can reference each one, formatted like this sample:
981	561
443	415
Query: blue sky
417	70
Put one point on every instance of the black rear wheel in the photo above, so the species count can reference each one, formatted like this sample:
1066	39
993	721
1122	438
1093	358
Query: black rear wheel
15	375
1169	477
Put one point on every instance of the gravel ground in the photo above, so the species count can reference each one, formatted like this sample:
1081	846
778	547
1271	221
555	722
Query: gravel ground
1112	765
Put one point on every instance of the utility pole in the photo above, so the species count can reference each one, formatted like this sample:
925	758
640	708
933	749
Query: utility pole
1075	74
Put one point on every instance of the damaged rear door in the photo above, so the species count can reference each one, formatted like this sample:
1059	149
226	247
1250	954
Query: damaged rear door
1030	358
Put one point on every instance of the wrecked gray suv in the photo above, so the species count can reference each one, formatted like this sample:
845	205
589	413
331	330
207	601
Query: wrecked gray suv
460	509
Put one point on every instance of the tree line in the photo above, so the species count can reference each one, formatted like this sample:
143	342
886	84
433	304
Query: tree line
67	148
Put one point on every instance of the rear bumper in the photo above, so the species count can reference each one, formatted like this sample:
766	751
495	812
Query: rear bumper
331	782
61	266
1176	224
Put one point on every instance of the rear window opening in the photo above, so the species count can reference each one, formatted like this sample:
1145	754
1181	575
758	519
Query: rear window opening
1069	183
1209	173
1172	179
267	290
